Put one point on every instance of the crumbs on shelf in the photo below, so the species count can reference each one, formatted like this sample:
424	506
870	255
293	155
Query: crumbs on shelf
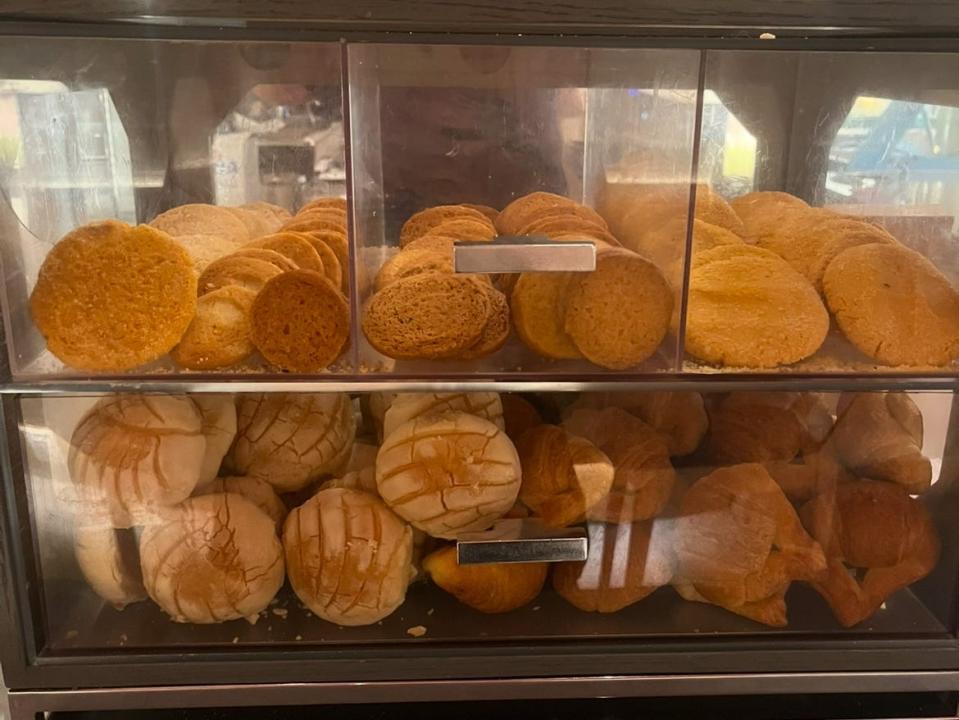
281	612
73	634
416	631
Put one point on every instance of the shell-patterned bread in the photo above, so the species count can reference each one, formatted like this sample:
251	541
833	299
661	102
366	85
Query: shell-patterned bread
349	557
218	413
288	440
448	474
258	492
110	564
490	588
132	455
406	406
216	558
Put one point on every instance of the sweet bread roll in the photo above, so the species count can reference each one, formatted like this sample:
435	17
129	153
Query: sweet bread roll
448	474
739	544
492	588
518	213
258	492
563	475
131	456
764	211
894	305
218	413
519	415
110	564
878	540
644	476
427	220
626	562
748	307
349	557
288	440
407	406
202	219
538	304
879	436
214	558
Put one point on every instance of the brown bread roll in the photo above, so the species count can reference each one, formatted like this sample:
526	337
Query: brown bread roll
110	564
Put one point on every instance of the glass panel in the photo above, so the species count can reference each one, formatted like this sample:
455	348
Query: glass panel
860	152
214	144
780	514
443	126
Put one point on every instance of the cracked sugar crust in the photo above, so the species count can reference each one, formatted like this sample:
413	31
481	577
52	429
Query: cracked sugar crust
406	406
894	305
216	558
448	474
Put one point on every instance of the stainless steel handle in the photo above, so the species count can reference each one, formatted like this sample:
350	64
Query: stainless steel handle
524	253
522	541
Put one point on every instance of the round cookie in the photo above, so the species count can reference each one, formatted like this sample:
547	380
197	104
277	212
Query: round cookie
538	303
332	269
202	219
110	296
204	249
465	230
427	316
336	241
618	314
300	321
762	211
894	305
257	224
322	219
280	262
496	332
296	246
748	307
565	212
524	209
273	214
219	335
567	226
244	271
411	262
320	203
425	220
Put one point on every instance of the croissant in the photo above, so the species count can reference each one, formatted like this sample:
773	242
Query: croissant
493	588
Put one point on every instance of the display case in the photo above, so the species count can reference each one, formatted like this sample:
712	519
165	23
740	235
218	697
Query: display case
447	354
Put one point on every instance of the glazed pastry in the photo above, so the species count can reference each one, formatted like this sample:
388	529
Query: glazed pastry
740	544
218	413
491	588
448	474
348	557
879	436
215	558
876	528
407	406
258	492
110	564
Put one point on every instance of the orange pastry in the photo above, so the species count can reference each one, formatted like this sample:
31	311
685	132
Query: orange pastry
492	588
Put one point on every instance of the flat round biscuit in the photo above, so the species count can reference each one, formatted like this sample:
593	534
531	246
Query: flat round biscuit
431	241
336	241
300	321
427	316
219	335
894	305
281	262
497	329
490	212
414	261
748	307
321	219
202	219
618	314
110	296
332	270
566	212
274	214
204	249
523	209
425	220
565	227
256	224
538	303
761	211
296	246
244	271
666	246
320	203
465	230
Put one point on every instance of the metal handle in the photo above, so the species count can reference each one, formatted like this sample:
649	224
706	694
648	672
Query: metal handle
522	541
524	253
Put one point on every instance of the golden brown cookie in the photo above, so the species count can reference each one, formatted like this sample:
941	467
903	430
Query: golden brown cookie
337	242
425	220
763	211
243	271
300	321
321	219
564	212
201	219
749	308
490	212
569	226
281	262
219	335
273	213
465	230
519	212
666	246
431	241
257	224
204	249
894	305
412	262
538	304
497	329
296	246
619	314
427	316
111	296
320	203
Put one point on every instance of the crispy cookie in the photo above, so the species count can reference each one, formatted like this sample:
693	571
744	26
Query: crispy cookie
296	246
281	262
497	328
204	249
322	219
336	241
200	219
257	223
763	211
321	203
538	303
565	212
219	335
411	262
465	230
244	271
425	220
522	210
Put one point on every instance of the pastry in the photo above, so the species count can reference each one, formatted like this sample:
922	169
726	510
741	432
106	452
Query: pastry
564	476
219	335
300	321
644	476
258	492
538	304
894	305
626	562
618	315
519	415
204	249
111	296
748	307
110	564
296	246
131	456
336	241
218	423
879	436
215	558
491	588
319	203
201	219
288	440
427	316
412	262
407	406
280	262
739	544
763	212
349	557
878	540
426	220
448	474
518	213
497	329
245	272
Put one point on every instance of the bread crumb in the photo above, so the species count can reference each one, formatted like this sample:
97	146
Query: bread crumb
767	36
535	607
430	611
235	640
416	631
299	637
123	638
72	634
281	612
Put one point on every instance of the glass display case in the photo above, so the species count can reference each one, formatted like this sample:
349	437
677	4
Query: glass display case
507	358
